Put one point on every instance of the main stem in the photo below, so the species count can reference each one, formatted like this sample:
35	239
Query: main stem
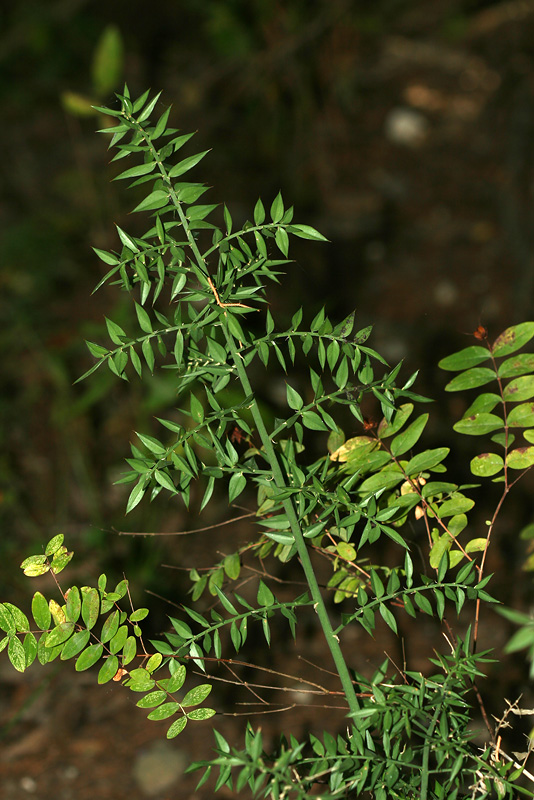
302	550
289	508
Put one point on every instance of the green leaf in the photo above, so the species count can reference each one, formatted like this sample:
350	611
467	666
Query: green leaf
236	485
35	566
512	339
196	695
177	727
427	460
177	680
107	258
406	440
19	618
136	172
282	241
519	389
388	617
201	713
385	479
486	464
164	712
108	670
478	376
110	627
521	416
520	458
439	548
40	611
277	208
139	614
458	504
60	634
54	544
74	604
90	607
197	410
517	365
313	421
294	400
152	699
129	650
465	359
118	641
479	424
476	546
144	320
127	240
77	642
89	657
30	648
307	232
232	566
259	213
188	163
265	597
136	495
386	429
346	551
154	200
60	560
16	654
116	333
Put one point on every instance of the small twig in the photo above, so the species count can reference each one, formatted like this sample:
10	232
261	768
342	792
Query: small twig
225	305
187	533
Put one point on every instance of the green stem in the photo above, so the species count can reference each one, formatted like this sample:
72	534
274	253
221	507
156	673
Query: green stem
302	550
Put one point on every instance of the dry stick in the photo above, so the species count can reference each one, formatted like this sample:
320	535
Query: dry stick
187	533
322	689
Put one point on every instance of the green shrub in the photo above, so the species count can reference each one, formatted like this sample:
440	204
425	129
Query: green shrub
200	297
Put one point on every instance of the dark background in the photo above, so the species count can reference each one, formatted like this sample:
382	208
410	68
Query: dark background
403	131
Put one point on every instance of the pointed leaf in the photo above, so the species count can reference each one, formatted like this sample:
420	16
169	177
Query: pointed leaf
306	232
408	438
188	163
154	200
135	172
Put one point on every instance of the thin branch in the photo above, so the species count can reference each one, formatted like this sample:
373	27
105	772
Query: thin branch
187	533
